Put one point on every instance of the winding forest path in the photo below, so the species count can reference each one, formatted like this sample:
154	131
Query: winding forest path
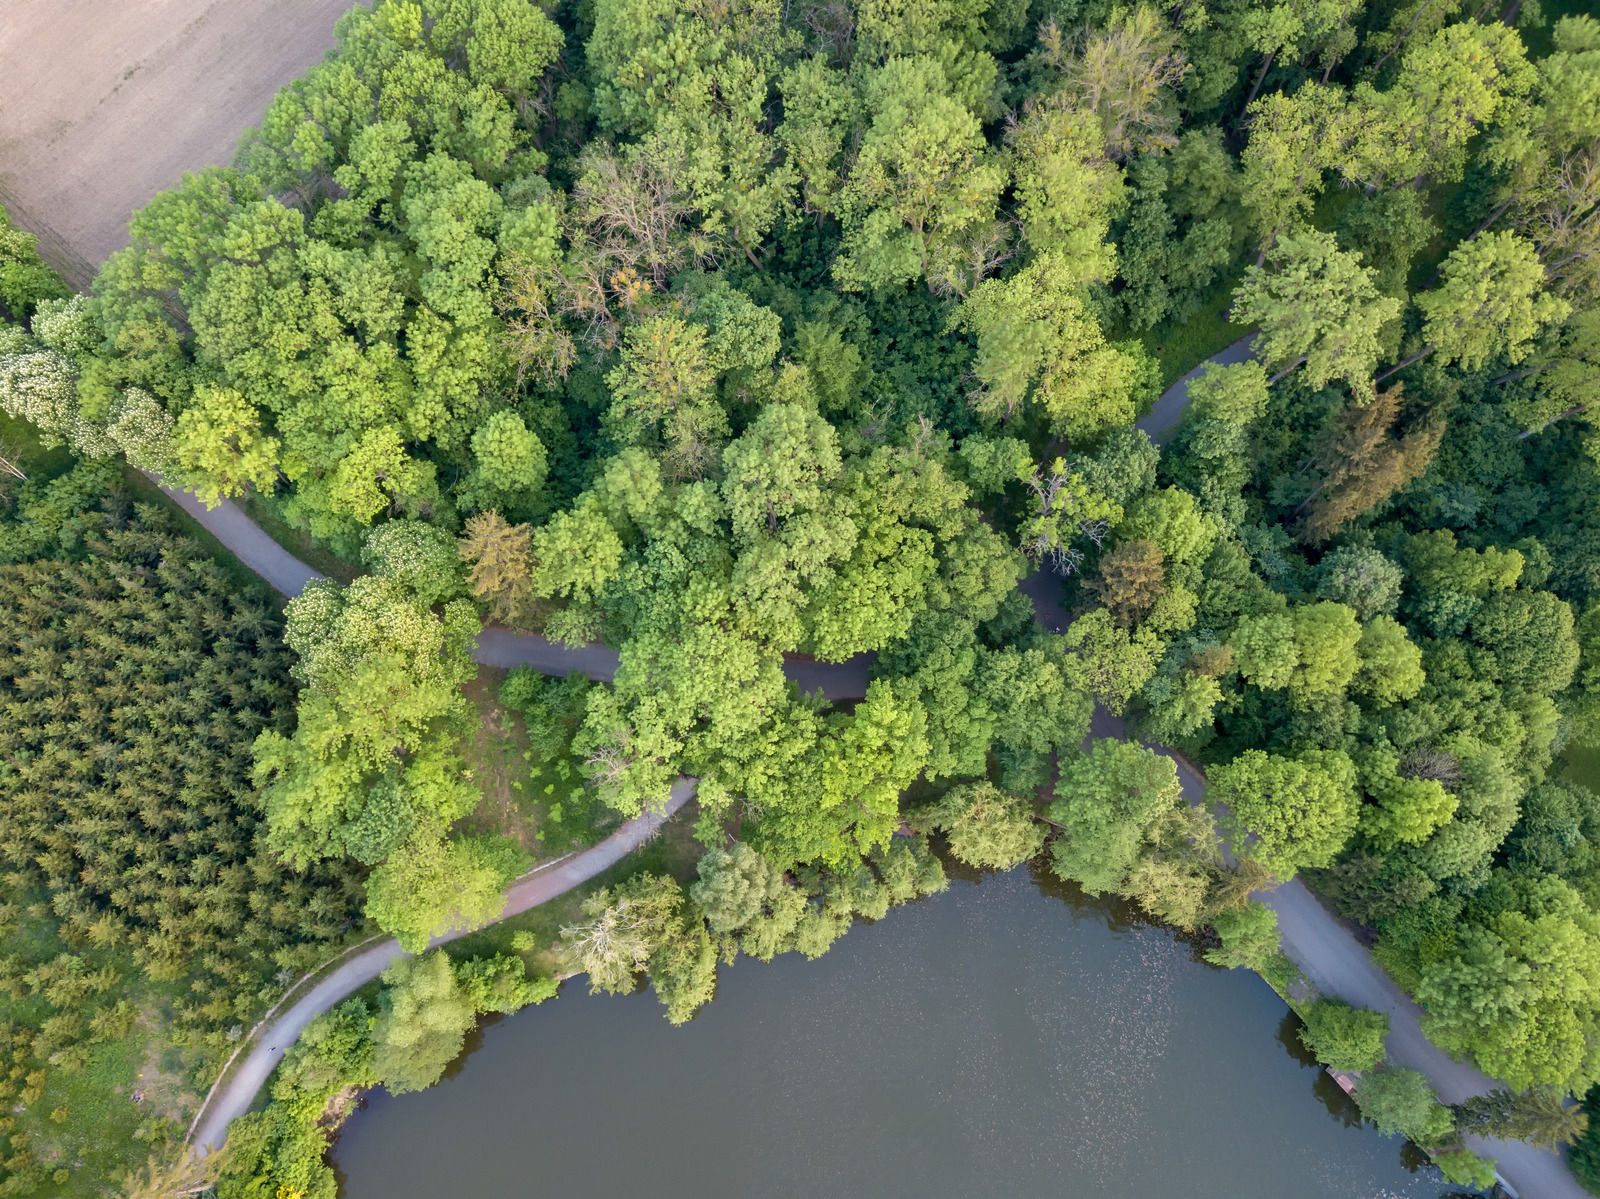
1329	953
98	141
288	575
237	1089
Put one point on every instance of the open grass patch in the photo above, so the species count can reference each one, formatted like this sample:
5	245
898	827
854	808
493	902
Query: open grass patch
1181	345
1582	765
20	443
545	711
529	794
92	1082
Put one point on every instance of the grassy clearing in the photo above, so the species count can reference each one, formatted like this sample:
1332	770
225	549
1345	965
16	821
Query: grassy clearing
107	1097
1180	346
102	1126
496	753
21	443
541	803
1582	765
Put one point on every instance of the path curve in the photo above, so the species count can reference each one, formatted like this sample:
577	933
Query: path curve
1326	951
1340	966
1168	410
234	1096
1323	948
495	646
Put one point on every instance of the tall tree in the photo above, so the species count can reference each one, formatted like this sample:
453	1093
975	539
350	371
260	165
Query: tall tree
1449	87
1107	803
1363	463
1299	30
423	1019
1287	813
1490	301
1122	77
922	194
1067	188
25	279
986	827
1038	340
1293	140
1317	307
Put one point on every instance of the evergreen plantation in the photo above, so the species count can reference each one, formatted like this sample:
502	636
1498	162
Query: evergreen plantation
720	332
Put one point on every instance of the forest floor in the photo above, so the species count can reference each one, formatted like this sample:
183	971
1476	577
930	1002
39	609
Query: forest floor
1181	346
1582	766
107	102
525	799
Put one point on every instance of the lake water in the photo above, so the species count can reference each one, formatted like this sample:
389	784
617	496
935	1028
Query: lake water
1006	1038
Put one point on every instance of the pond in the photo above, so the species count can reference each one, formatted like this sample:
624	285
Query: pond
1009	1037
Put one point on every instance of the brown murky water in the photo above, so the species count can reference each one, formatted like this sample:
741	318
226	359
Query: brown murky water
1006	1038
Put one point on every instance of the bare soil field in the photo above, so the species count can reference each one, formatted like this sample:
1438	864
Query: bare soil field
105	102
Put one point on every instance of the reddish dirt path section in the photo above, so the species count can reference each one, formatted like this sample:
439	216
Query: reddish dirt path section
105	102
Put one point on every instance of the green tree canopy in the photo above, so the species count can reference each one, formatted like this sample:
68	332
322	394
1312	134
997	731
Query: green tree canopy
423	1019
1344	1037
1106	803
986	827
1318	307
1288	813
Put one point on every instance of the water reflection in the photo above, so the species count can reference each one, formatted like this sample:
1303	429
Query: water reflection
1329	1093
1012	1036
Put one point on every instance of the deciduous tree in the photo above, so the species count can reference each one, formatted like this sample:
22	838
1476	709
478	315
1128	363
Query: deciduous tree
1038	341
1318	307
921	196
1288	813
1401	1101
986	827
1107	803
1345	1038
423	1019
1122	76
1489	301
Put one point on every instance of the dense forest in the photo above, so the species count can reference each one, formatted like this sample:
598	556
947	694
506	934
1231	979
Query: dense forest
726	333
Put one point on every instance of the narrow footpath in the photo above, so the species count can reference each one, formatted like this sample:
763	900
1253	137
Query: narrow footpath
237	1089
495	646
1326	951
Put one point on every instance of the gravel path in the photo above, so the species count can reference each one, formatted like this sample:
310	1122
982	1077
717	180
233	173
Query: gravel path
1328	953
1167	411
237	1090
247	540
1338	964
495	646
107	103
